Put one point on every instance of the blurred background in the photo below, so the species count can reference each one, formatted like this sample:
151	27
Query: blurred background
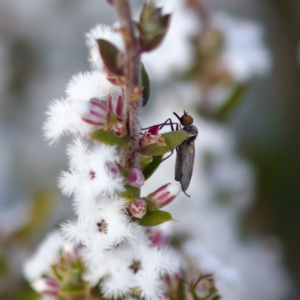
42	45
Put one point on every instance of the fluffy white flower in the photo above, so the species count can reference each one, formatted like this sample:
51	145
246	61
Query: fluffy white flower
101	230
140	267
89	85
88	170
105	32
82	87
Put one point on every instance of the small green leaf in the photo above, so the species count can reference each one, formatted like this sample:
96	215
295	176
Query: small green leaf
131	193
149	43
173	139
234	98
153	218
57	272
145	85
111	57
152	166
147	10
153	32
152	26
109	138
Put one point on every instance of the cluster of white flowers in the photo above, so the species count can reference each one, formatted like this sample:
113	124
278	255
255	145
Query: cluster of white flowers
115	249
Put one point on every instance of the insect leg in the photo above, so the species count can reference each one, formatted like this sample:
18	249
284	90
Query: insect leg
187	194
167	156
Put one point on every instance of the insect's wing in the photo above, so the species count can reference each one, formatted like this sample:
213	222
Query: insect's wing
185	164
178	164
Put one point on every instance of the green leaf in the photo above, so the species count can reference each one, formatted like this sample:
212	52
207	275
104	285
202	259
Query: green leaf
148	8
234	98
152	32
152	166
131	193
109	138
152	26
57	272
111	57
145	85
149	43
173	139
153	218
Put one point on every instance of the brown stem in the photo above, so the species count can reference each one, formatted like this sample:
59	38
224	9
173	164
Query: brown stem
129	156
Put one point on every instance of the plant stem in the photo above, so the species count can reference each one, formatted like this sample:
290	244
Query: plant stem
129	156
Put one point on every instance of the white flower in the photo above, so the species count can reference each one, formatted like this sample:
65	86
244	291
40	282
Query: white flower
88	171
90	85
108	226
105	32
135	266
62	118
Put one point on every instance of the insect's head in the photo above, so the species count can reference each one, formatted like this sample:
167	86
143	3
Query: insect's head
185	119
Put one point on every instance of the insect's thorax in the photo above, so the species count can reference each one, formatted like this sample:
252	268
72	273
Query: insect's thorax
191	129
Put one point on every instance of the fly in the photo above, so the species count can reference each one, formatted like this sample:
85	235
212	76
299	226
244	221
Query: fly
185	153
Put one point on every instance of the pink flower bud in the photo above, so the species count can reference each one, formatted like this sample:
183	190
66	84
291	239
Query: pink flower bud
160	239
112	168
48	286
138	208
136	178
164	195
151	136
93	112
154	130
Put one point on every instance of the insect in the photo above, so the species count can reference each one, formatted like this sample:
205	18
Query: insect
185	153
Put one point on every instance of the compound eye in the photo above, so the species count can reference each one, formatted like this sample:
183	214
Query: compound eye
186	120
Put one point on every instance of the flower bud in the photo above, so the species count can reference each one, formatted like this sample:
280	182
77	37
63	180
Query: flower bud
164	195
92	112
138	208
112	168
151	136
154	130
136	178
48	286
160	239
